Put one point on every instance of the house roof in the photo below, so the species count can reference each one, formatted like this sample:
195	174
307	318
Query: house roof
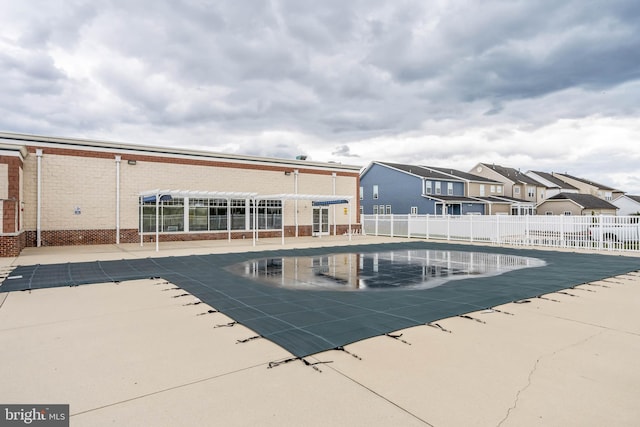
555	180
494	199
418	170
587	181
463	175
586	201
513	175
451	199
634	198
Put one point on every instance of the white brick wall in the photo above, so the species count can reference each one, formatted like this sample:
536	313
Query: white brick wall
88	183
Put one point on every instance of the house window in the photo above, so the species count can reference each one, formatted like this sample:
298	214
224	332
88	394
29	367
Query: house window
493	189
450	188
608	195
438	190
516	190
375	192
427	187
482	190
375	209
381	209
531	191
361	193
499	189
388	209
548	213
414	210
567	213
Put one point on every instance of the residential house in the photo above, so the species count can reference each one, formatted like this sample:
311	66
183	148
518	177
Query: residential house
554	185
525	190
576	204
387	188
586	186
486	190
627	204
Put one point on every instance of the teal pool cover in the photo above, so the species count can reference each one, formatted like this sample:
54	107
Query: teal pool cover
306	322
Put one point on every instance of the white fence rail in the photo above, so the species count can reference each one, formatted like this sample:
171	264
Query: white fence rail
610	233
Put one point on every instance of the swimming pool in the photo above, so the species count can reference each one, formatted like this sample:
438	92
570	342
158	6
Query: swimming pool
316	319
379	271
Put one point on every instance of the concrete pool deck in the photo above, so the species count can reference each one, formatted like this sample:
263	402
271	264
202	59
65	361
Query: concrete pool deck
131	354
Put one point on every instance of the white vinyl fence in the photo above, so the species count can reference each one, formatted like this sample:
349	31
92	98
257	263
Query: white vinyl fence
610	233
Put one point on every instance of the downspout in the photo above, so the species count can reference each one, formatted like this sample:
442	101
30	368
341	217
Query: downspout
39	201
118	159
335	220
295	190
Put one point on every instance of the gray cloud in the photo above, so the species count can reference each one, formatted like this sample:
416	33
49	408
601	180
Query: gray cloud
231	75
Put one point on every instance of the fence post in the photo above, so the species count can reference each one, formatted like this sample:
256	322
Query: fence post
376	226
391	225
427	226
448	227
601	232
527	235
498	229
409	226
470	228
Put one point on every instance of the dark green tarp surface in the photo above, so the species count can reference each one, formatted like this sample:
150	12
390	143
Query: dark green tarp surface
306	322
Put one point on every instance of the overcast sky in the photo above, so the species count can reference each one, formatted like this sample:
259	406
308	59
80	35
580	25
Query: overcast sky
535	84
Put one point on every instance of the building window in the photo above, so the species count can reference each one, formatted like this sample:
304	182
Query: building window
170	215
414	210
531	191
217	214
450	188
427	187
375	192
493	189
567	213
388	209
198	214
269	214
361	193
548	213
499	189
608	195
381	209
438	190
482	190
516	190
375	209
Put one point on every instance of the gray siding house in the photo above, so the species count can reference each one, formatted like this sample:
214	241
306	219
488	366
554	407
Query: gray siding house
394	188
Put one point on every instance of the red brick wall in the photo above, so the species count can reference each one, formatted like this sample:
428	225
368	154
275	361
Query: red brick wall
10	246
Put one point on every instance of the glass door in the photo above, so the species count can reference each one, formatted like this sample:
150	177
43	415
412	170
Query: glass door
320	221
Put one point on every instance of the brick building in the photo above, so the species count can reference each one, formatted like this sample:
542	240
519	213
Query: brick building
62	191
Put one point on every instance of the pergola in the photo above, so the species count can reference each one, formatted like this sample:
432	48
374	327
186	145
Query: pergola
159	196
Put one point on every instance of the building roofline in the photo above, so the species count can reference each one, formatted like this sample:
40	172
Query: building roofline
99	145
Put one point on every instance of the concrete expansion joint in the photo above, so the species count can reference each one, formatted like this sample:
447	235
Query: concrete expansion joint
535	368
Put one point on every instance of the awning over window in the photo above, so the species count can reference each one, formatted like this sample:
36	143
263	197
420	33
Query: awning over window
329	202
152	199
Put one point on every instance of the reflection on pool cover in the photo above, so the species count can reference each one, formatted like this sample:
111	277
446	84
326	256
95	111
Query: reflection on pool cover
400	269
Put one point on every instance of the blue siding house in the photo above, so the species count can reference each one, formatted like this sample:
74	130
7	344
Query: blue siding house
393	188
